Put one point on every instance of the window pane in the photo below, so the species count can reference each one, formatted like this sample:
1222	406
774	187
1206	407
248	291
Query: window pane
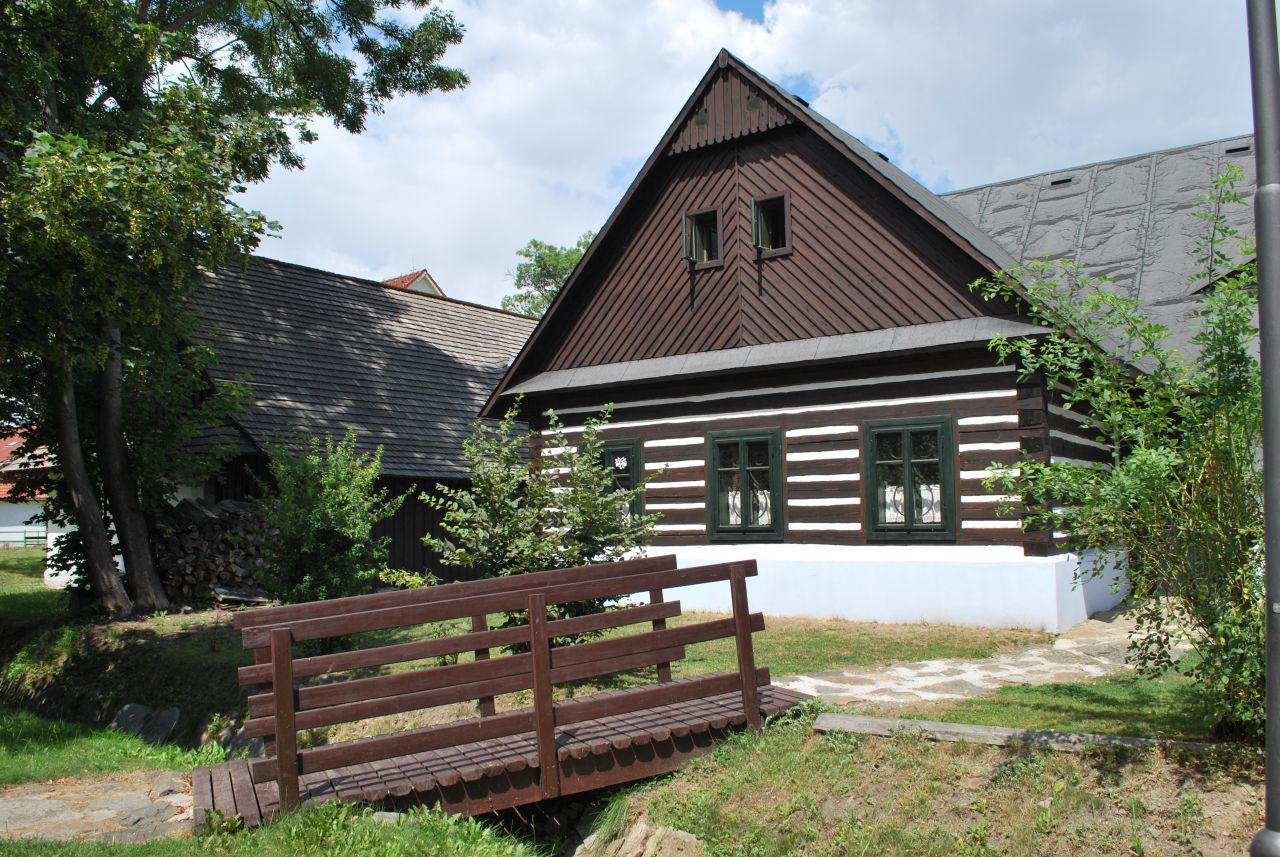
728	454
729	486
761	507
892	494
927	492
889	446
771	223
758	453
704	237
924	444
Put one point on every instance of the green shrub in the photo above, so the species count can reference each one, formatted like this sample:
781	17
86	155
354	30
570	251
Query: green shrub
1180	504
319	513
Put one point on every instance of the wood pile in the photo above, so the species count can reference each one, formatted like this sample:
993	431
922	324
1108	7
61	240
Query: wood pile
200	546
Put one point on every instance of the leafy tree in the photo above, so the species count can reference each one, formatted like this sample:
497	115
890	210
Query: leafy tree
319	510
1181	500
111	103
520	514
546	268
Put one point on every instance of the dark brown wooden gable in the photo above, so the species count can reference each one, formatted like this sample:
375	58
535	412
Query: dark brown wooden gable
731	107
860	260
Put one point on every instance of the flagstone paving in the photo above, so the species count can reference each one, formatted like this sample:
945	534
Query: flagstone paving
1093	648
132	806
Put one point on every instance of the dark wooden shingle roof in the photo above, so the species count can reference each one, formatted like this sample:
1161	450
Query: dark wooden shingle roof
324	353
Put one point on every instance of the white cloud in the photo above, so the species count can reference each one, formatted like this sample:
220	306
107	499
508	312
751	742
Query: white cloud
567	99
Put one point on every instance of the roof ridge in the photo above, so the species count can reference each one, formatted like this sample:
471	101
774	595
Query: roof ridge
1100	163
377	284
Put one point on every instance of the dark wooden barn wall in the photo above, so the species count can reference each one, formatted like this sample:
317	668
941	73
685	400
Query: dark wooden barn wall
996	428
406	528
860	261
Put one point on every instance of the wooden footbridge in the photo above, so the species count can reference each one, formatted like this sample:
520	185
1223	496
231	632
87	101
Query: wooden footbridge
500	758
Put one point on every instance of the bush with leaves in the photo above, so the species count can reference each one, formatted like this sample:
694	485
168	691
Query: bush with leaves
521	514
320	510
1180	504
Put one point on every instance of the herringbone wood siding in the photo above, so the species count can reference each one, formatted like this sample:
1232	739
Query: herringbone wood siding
860	261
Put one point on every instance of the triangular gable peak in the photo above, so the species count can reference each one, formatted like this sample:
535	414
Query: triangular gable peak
729	107
864	247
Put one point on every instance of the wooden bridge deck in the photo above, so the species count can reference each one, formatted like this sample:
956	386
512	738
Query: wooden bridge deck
496	774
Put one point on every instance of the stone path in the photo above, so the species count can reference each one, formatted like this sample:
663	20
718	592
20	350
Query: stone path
134	806
1091	649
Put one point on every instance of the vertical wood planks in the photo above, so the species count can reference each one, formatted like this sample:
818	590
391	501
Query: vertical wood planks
480	624
664	669
746	654
544	713
285	701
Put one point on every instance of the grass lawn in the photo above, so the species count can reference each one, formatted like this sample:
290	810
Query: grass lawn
328	830
1165	707
25	603
789	791
33	748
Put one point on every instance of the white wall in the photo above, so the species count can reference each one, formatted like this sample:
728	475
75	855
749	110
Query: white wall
990	586
13	521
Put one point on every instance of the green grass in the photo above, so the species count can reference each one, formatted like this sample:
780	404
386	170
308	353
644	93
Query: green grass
790	792
35	749
792	645
1166	707
331	830
25	603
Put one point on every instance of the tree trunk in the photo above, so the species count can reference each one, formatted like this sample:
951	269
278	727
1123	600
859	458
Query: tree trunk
121	486
101	571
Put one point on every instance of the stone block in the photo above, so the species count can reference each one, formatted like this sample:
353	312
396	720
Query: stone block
160	725
131	718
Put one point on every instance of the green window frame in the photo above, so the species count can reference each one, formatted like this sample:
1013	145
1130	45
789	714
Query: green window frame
771	225
744	458
910	479
622	458
702	236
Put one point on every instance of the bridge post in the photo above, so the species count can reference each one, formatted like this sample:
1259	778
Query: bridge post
746	653
284	695
544	711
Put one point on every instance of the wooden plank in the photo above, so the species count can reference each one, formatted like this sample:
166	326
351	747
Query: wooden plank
354	690
389	746
246	796
746	654
224	799
684	635
384	706
664	668
486	586
286	732
394	617
201	795
543	707
399	653
480	624
1074	742
664	694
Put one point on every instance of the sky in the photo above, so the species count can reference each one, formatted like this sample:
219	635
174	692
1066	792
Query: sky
569	97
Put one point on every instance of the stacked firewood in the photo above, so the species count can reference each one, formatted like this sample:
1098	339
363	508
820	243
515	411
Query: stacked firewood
203	550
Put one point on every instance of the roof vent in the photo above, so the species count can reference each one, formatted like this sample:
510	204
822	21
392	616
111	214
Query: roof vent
801	100
1060	182
884	157
1236	150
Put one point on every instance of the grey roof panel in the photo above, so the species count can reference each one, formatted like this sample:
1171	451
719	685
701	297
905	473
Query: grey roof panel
781	354
1130	219
324	352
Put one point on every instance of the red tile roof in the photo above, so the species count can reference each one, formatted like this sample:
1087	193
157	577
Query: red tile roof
9	460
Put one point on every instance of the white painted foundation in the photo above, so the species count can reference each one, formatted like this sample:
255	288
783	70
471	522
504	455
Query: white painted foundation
945	584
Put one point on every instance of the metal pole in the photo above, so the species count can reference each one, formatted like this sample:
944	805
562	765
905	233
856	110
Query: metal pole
1265	68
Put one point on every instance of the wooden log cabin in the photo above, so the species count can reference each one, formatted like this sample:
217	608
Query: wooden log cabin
783	321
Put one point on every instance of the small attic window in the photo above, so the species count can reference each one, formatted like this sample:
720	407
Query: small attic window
1060	182
771	225
702	238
